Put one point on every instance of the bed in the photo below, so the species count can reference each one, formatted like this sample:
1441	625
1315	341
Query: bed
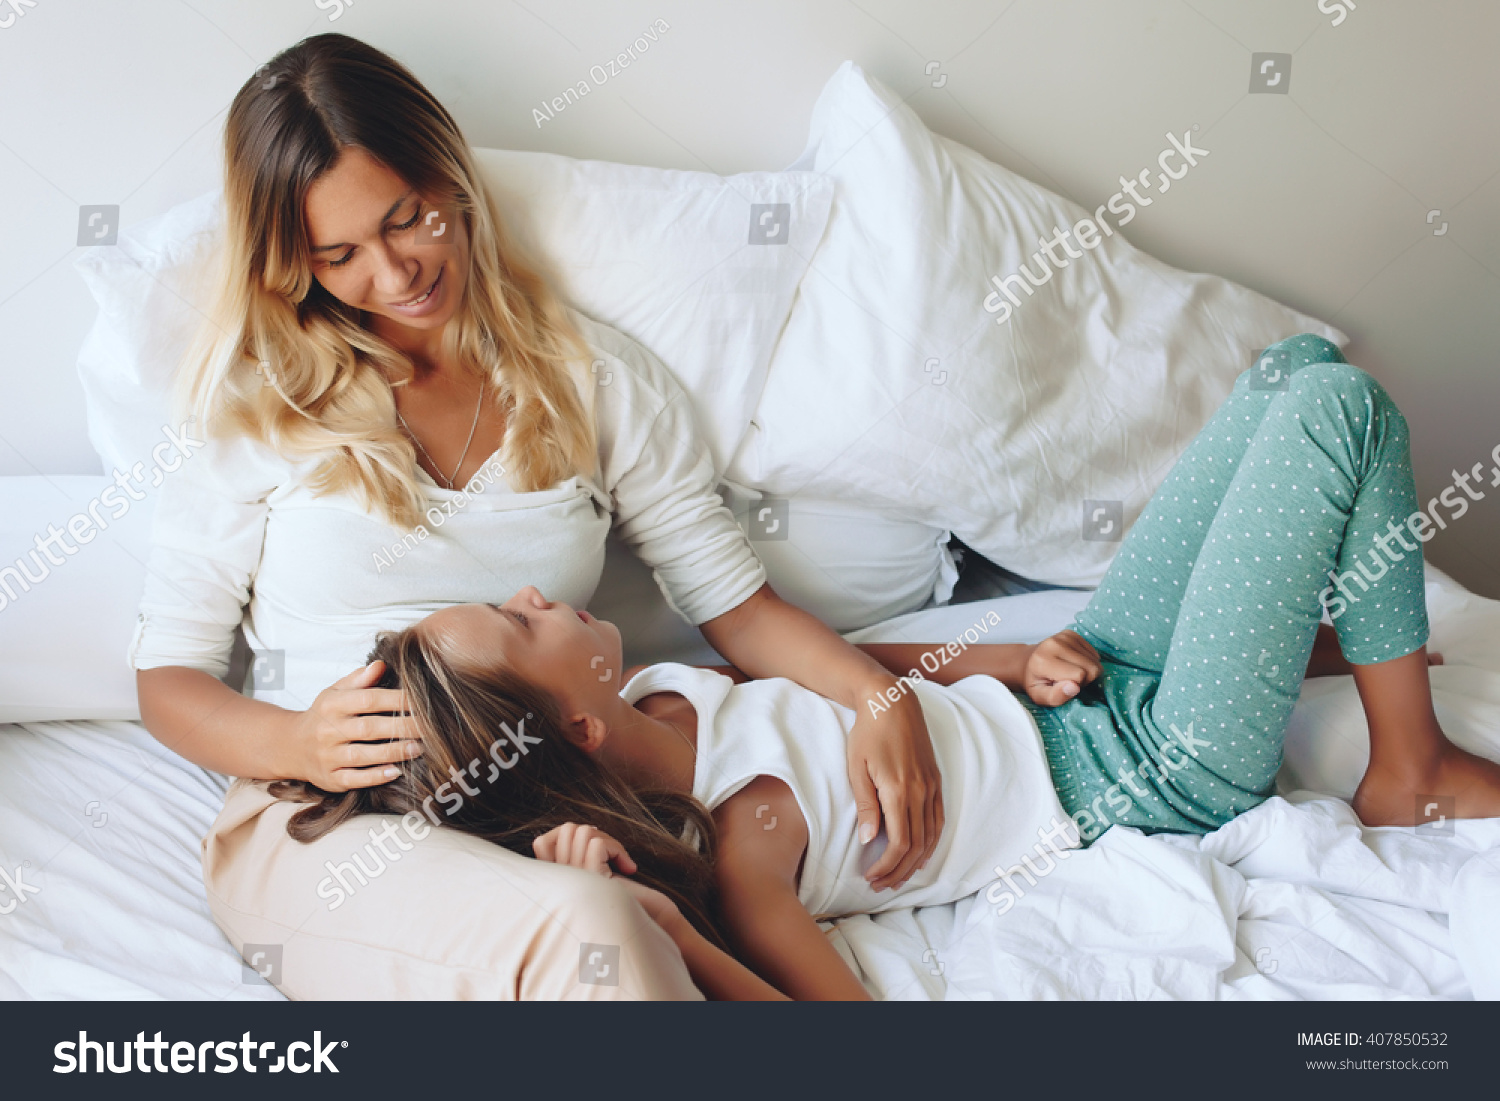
970	426
1293	900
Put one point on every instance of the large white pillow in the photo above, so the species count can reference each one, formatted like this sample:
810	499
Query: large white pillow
850	566
665	256
894	387
65	625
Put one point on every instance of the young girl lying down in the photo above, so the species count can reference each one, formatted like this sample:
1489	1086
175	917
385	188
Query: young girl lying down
725	805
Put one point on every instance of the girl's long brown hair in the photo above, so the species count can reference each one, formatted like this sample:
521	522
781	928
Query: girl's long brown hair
281	360
462	716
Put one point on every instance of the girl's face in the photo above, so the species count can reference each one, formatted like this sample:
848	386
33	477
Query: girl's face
568	654
379	246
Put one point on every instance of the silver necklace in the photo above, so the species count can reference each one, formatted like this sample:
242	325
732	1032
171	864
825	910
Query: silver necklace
467	443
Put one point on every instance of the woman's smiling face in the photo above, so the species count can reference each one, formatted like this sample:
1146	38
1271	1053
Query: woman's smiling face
380	246
568	654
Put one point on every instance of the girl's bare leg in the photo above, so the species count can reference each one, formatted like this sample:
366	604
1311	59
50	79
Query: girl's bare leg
1412	762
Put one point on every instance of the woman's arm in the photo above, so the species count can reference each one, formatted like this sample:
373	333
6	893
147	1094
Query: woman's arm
199	717
892	767
338	743
208	539
1005	661
660	474
1050	672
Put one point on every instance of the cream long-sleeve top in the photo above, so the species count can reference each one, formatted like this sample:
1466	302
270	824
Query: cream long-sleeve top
239	536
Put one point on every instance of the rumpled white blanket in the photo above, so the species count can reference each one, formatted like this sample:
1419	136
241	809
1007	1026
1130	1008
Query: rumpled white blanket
1293	900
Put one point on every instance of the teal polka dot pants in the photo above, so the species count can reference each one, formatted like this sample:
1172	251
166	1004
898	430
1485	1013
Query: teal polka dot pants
1291	500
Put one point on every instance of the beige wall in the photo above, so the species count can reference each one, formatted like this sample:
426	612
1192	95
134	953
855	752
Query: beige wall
1319	197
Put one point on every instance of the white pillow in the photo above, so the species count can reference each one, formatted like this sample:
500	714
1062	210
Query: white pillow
852	564
849	566
893	386
66	625
664	256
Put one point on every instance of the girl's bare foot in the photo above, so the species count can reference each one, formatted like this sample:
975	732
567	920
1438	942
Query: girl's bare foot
1400	796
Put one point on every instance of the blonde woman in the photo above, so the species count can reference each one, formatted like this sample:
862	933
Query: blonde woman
400	416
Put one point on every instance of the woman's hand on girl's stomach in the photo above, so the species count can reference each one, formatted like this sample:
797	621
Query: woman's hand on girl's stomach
592	850
1059	667
354	734
894	773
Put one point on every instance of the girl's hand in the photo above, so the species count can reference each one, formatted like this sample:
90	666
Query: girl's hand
893	771
1059	667
595	851
584	847
344	741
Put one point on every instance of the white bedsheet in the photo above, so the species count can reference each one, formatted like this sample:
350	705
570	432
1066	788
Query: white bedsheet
1292	900
110	822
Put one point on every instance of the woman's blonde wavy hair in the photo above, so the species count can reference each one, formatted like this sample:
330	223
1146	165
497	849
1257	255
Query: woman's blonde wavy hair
284	362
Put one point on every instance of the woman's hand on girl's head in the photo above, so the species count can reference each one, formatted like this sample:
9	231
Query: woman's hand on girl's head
1059	667
347	739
